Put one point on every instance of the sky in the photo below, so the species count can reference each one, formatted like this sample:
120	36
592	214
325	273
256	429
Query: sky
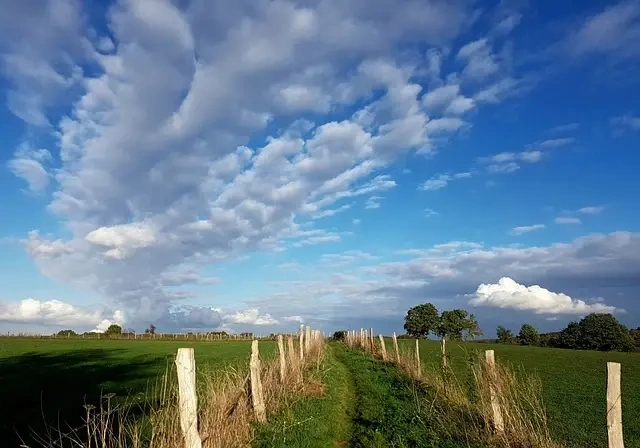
255	165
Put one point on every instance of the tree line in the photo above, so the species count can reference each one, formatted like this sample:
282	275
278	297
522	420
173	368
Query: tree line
422	320
595	331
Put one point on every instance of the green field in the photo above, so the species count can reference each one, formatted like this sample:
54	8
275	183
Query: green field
46	382
574	385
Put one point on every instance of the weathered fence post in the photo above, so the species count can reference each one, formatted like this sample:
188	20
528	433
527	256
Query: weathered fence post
444	354
301	343
383	348
418	363
292	353
188	399
498	422
614	406
307	339
257	398
283	362
371	343
395	347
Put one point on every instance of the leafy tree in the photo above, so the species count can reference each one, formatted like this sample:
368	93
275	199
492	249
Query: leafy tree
67	333
472	328
150	330
456	322
603	332
114	329
339	335
505	336
635	335
528	335
421	320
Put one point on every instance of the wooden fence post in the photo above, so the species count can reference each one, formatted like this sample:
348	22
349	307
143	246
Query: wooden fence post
444	353
498	422
383	348
395	347
257	397
301	344
188	399
373	347
614	406
418	363
307	339
283	362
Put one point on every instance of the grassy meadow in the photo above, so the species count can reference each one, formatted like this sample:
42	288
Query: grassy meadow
574	385
45	383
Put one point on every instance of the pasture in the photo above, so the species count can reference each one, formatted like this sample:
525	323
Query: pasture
574	385
45	383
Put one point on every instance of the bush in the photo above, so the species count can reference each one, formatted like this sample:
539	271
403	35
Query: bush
505	336
340	335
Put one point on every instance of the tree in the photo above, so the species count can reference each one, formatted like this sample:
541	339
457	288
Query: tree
456	322
472	328
528	335
421	320
150	330
67	333
340	335
114	329
505	336
603	332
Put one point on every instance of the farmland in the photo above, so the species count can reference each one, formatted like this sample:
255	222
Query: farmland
574	385
50	380
359	401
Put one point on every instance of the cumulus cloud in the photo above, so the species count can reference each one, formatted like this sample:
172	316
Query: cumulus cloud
29	164
251	317
54	313
511	295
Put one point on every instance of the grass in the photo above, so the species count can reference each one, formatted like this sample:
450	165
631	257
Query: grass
315	421
46	383
573	386
391	410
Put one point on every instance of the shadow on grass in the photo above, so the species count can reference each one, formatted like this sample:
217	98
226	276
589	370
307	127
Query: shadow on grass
40	391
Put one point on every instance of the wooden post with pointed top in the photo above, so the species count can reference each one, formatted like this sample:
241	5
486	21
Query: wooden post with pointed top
188	399
418	363
257	397
383	348
395	347
614	406
498	421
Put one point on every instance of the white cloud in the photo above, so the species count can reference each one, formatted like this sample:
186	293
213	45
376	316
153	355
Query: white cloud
626	123
521	230
29	164
202	133
567	220
293	319
563	128
251	317
480	60
511	295
373	202
555	143
428	212
615	31
347	257
591	210
55	313
447	100
442	180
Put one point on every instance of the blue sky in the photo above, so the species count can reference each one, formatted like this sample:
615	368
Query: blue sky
200	166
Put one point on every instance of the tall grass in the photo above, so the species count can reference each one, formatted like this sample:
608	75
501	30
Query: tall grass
462	410
225	413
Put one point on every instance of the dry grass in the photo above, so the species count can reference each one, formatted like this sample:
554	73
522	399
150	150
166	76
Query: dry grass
225	416
464	412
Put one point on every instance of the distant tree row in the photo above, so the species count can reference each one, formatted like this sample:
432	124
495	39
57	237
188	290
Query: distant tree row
594	332
422	320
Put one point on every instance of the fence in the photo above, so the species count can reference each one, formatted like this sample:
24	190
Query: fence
290	366
365	341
